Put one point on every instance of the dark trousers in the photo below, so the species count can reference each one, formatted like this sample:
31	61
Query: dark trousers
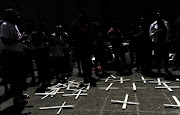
120	59
161	52
58	65
86	65
177	60
43	65
14	71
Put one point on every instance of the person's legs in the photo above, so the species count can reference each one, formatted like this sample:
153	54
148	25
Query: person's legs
18	77
87	69
5	67
177	61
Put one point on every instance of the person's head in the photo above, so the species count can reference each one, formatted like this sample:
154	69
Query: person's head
178	11
28	28
115	26
11	15
95	26
141	20
59	29
83	19
158	16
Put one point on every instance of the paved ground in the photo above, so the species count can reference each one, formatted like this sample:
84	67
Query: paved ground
98	101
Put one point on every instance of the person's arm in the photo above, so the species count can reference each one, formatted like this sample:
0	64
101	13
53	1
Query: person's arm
5	35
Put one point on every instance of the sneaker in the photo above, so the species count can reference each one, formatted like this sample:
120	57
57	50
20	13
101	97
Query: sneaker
175	68
19	102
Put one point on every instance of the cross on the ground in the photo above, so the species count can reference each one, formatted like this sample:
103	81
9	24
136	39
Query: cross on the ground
144	80
52	91
171	105
125	102
159	82
73	83
111	77
167	87
121	80
109	87
58	107
77	93
134	87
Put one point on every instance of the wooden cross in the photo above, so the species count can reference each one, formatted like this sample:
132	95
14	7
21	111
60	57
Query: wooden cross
77	93
159	82
58	107
53	91
121	80
125	102
144	80
111	77
171	105
167	87
109	87
134	87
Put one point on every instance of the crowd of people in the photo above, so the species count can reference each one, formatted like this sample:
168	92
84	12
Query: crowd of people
55	53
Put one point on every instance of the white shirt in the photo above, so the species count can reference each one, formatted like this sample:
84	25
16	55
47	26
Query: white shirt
154	28
10	31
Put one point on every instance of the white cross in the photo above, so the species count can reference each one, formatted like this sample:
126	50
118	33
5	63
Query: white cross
77	93
121	80
83	89
111	77
167	87
144	80
171	105
73	83
53	90
134	87
58	107
51	93
125	102
159	81
109	87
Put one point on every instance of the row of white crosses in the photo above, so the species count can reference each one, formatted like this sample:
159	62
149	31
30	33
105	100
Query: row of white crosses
125	102
121	80
170	89
159	82
55	90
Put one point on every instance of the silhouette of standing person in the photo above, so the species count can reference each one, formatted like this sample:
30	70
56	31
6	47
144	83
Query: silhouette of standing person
13	56
142	44
58	44
116	39
159	32
99	48
177	42
84	47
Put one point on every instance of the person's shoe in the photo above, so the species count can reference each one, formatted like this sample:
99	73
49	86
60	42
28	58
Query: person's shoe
175	68
93	84
7	92
166	70
19	102
159	71
25	96
41	89
63	81
80	74
177	79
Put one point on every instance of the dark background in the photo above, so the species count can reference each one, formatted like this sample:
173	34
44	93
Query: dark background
124	12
